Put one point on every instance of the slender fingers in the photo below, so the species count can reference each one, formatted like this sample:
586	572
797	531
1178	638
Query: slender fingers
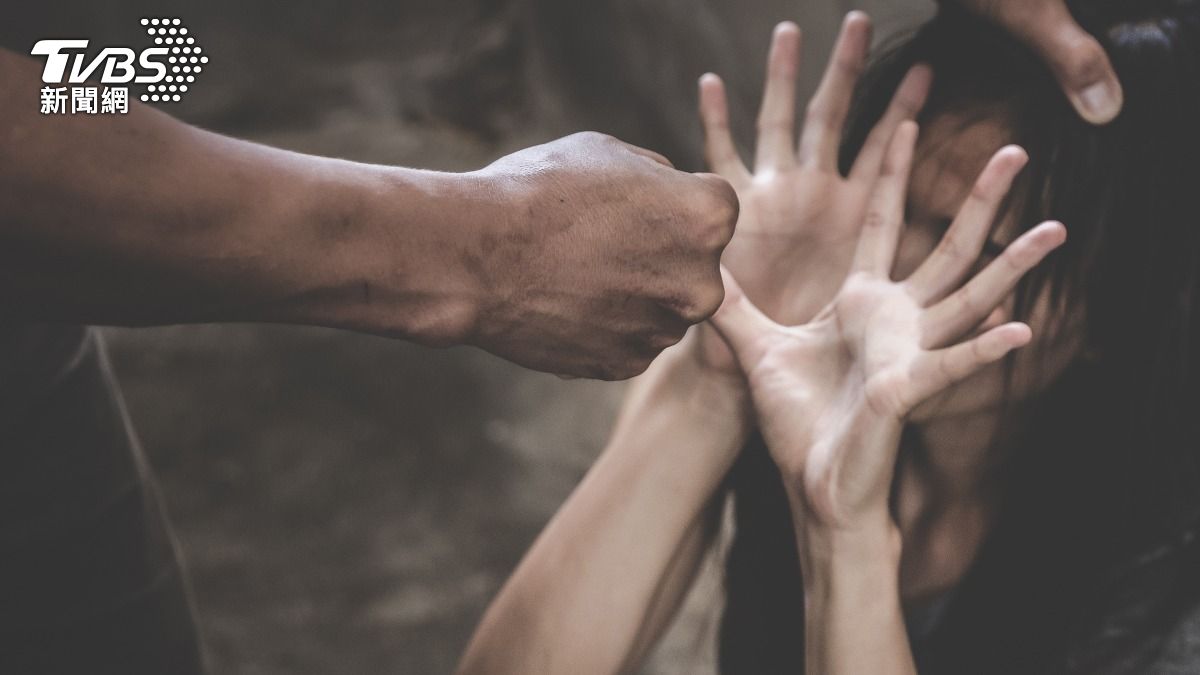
933	371
719	148
777	117
948	264
906	104
881	227
827	111
969	305
741	324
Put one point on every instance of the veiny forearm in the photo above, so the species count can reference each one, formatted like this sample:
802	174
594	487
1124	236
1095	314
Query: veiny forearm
606	575
850	563
853	617
141	219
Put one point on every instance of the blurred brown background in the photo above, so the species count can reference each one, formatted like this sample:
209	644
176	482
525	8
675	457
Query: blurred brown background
348	504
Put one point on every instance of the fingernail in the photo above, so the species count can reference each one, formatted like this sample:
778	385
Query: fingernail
1100	102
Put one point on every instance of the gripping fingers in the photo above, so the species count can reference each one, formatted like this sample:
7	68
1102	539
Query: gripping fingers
934	371
827	111
885	215
719	149
960	246
906	103
777	117
970	304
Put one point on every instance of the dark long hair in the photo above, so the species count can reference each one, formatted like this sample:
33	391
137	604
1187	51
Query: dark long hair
1094	557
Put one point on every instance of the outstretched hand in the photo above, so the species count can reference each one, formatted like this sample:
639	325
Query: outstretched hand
799	215
831	395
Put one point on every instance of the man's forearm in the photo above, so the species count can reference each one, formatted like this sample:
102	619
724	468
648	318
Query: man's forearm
141	219
583	256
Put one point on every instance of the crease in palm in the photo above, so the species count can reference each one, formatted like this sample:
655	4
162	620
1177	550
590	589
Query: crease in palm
835	352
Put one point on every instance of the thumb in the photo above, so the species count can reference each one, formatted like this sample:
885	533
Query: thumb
742	325
1078	62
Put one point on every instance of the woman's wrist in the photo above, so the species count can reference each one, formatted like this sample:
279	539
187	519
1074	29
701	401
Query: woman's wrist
870	546
714	394
854	619
677	392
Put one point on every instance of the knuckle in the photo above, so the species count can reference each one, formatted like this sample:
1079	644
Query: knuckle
593	137
1082	60
698	306
725	209
894	162
849	67
947	370
628	368
1018	259
815	114
716	124
1022	255
952	246
710	300
715	213
661	341
692	313
984	191
874	219
966	299
772	121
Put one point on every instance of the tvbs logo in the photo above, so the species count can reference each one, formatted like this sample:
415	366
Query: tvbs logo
166	70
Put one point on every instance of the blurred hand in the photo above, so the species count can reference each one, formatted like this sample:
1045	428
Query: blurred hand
831	395
610	256
1076	58
799	216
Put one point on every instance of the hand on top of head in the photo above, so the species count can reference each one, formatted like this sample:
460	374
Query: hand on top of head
1076	58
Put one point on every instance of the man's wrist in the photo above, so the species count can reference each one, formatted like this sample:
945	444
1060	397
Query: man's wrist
396	249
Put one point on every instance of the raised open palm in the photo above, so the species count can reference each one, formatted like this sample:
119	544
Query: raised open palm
831	395
799	216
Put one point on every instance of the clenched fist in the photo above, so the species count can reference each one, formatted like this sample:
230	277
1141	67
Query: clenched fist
583	257
610	254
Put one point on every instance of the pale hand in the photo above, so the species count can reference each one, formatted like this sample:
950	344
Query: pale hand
799	215
831	395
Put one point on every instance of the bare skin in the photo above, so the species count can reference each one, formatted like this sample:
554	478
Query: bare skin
604	579
601	583
584	257
832	396
1074	56
141	220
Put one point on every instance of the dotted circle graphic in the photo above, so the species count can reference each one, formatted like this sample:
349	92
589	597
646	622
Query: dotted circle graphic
184	60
